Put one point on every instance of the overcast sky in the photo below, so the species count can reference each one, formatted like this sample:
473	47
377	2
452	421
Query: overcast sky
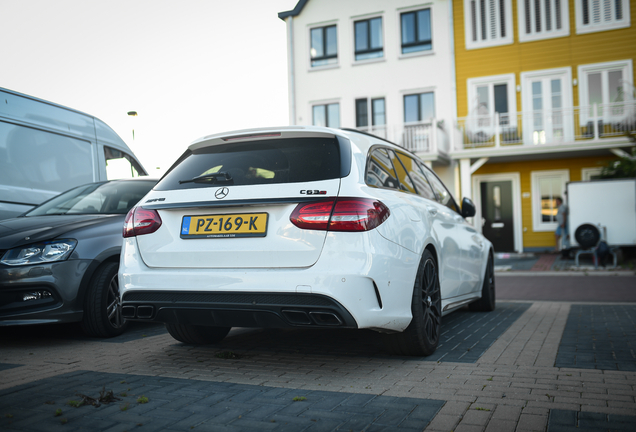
189	67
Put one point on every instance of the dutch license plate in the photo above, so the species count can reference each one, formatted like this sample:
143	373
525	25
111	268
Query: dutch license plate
224	226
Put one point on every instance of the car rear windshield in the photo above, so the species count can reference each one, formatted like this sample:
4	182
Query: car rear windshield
289	160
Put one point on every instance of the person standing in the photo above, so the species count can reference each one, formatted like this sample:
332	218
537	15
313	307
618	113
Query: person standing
562	228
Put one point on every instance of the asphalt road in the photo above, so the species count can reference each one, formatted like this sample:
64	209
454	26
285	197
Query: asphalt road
567	287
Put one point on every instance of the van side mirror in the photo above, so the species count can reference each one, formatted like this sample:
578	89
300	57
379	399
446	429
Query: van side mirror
468	208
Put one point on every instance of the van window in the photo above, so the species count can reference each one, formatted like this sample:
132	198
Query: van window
119	165
34	159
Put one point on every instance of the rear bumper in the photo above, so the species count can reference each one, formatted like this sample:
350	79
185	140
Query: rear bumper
237	309
361	280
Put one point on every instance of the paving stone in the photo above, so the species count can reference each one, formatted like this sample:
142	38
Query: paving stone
599	337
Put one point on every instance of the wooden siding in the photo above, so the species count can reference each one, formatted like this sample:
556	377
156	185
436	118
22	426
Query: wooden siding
572	51
532	239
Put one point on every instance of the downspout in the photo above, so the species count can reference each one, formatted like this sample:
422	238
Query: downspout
292	79
453	76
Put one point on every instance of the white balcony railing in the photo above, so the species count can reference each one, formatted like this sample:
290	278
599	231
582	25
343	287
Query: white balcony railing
416	137
557	126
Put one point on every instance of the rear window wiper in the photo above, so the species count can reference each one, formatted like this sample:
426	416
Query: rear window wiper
217	177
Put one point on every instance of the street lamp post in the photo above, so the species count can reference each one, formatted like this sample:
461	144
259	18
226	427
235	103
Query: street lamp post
133	114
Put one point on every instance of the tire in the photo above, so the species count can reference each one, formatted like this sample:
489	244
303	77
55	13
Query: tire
587	236
422	335
102	307
487	301
197	335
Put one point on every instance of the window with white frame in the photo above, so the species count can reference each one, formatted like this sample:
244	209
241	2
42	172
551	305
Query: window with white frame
542	19
546	98
370	109
368	35
600	15
487	23
547	186
326	115
324	46
609	86
489	97
419	107
416	31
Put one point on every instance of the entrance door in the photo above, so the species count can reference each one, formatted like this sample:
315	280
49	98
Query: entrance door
496	213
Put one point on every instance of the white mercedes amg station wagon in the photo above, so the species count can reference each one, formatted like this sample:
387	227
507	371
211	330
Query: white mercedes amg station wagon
304	227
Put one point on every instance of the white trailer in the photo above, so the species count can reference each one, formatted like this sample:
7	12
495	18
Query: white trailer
608	204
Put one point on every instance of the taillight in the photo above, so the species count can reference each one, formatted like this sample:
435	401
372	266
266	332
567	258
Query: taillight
342	214
140	221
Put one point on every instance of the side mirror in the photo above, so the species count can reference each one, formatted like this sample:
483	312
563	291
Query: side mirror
468	208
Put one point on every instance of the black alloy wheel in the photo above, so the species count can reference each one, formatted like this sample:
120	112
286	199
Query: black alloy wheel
102	310
422	335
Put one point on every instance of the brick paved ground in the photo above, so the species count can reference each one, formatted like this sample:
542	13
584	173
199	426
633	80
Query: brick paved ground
512	385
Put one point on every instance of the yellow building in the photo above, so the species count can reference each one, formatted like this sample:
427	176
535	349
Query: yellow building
545	96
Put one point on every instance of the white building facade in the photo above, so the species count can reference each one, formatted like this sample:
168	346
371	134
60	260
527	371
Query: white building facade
385	67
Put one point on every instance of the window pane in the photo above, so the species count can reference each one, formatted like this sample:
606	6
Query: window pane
376	33
422	185
406	184
482	100
408	28
550	190
319	115
427	106
424	25
362	32
332	41
594	89
361	113
615	86
443	196
501	98
411	108
317	43
333	115
379	115
380	170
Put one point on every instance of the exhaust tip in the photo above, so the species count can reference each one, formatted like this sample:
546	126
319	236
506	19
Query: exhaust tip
145	312
326	318
297	317
128	311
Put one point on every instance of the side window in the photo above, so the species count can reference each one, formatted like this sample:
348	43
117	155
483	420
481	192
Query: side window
406	184
422	185
119	165
443	195
380	172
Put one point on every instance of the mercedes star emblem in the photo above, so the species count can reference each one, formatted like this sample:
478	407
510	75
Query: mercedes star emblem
221	193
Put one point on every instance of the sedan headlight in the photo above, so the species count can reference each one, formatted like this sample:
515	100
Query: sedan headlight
39	253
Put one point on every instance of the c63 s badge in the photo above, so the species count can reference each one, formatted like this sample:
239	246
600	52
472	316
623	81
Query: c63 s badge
312	192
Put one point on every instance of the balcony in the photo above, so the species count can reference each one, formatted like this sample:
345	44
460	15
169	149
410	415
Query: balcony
421	138
582	125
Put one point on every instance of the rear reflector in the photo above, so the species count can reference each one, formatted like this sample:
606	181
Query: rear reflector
341	214
140	221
